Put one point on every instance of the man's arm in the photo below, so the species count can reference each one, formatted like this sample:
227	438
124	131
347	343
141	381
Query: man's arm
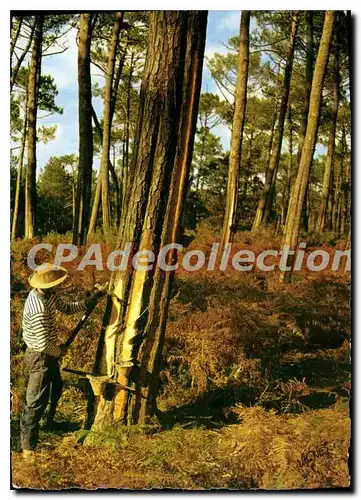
71	307
79	306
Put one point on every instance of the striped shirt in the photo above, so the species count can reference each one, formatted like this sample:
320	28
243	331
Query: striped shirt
39	322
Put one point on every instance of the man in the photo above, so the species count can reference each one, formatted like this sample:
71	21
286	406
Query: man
43	352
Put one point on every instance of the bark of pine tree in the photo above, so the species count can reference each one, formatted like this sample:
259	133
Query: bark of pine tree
269	149
112	52
345	191
14	227
278	136
293	224
327	184
85	169
33	88
115	180
336	202
229	222
246	174
287	188
125	176
159	171
117	186
306	101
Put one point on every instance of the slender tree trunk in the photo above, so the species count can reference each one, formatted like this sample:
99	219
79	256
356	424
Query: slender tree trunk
160	169
127	129
346	190
336	203
308	82
247	172
306	100
269	149
331	141
33	88
107	122
85	132
292	228
98	189
117	78
96	205
14	227
15	69
287	191
278	137
229	223
274	118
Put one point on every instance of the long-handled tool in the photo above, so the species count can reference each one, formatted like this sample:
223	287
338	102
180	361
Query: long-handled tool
101	291
99	378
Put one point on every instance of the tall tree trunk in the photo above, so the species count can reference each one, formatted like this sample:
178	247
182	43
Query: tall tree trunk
337	199
292	228
308	82
160	168
246	172
331	138
346	191
287	191
118	77
269	149
306	101
33	88
274	117
14	227
127	129
278	137
98	189
229	223
85	169
96	205
107	121
15	69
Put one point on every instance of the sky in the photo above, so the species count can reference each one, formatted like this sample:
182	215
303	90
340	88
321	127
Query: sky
63	67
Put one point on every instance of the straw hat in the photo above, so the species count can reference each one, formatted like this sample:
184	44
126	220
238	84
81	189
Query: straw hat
47	276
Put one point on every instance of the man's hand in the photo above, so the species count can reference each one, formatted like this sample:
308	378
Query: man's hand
91	301
95	296
64	349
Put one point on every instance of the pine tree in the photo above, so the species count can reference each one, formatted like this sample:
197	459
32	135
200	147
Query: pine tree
293	223
33	88
83	197
229	224
159	175
278	136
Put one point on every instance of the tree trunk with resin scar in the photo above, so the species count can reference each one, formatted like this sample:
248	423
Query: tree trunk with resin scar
131	345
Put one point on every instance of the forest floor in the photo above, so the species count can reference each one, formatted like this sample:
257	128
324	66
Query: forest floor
255	384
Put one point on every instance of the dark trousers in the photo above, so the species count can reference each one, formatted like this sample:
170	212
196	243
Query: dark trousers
42	395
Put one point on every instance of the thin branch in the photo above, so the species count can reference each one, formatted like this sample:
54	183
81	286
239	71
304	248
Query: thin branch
55	53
